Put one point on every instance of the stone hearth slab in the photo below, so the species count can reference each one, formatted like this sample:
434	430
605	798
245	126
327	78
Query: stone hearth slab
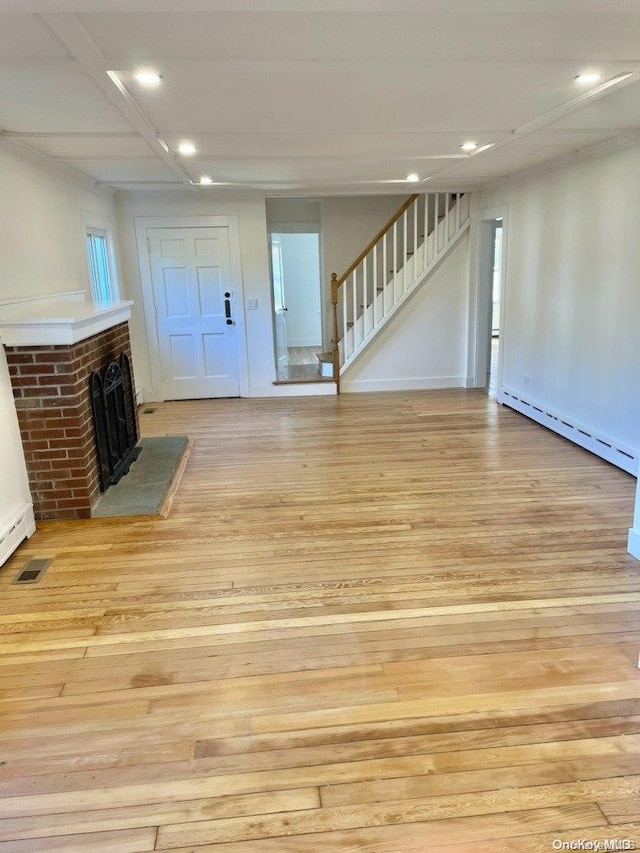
143	490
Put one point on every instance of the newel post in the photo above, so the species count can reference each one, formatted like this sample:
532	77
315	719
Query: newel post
335	286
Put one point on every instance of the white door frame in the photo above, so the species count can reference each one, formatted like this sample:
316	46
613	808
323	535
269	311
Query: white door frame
480	297
142	223
278	316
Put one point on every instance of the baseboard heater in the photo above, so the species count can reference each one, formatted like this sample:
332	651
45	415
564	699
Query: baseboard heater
622	457
13	530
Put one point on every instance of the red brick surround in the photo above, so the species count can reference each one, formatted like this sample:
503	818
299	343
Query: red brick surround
51	390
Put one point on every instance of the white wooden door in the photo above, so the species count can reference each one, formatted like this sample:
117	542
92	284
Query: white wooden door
194	306
279	303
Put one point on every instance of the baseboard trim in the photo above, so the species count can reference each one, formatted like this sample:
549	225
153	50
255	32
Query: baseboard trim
419	383
302	389
303	342
633	545
598	444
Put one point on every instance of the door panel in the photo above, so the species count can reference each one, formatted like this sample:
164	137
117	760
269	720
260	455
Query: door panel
191	274
210	291
176	292
215	355
206	248
171	248
182	357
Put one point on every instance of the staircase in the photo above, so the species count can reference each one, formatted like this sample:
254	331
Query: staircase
400	258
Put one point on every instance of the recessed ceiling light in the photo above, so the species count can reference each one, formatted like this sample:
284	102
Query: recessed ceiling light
413	178
187	149
147	78
588	79
469	146
205	179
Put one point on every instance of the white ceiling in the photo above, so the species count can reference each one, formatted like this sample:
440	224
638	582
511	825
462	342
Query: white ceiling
321	95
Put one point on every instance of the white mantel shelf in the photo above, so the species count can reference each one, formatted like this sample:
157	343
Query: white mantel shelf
58	323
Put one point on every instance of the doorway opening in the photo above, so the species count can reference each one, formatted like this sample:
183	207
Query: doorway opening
495	289
297	304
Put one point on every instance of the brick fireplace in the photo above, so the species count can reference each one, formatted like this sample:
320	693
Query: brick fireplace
51	390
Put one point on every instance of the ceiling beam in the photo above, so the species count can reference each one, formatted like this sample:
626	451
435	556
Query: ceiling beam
73	36
554	115
77	134
582	100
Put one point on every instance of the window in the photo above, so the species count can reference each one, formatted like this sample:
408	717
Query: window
103	284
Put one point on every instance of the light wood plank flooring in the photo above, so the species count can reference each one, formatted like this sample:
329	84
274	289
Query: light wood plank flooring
303	366
303	355
393	623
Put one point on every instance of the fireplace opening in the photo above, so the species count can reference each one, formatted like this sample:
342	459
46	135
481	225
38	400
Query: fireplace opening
114	420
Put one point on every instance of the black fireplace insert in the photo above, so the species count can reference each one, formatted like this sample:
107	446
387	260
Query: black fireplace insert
114	420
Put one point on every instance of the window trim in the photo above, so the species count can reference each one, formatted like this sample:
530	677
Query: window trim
98	227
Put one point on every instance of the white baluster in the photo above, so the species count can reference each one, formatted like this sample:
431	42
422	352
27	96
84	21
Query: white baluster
375	286
395	260
385	274
365	295
354	291
457	212
404	251
415	238
447	201
437	225
343	292
425	241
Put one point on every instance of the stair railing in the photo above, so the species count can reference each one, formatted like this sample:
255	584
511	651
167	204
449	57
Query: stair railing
399	256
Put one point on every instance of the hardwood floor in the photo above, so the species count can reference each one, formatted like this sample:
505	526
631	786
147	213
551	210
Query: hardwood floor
391	623
300	373
303	366
303	355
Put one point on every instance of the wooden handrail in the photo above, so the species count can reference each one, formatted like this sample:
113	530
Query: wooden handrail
378	236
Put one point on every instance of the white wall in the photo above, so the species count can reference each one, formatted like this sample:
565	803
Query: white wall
301	273
425	344
570	329
42	224
293	211
249	207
